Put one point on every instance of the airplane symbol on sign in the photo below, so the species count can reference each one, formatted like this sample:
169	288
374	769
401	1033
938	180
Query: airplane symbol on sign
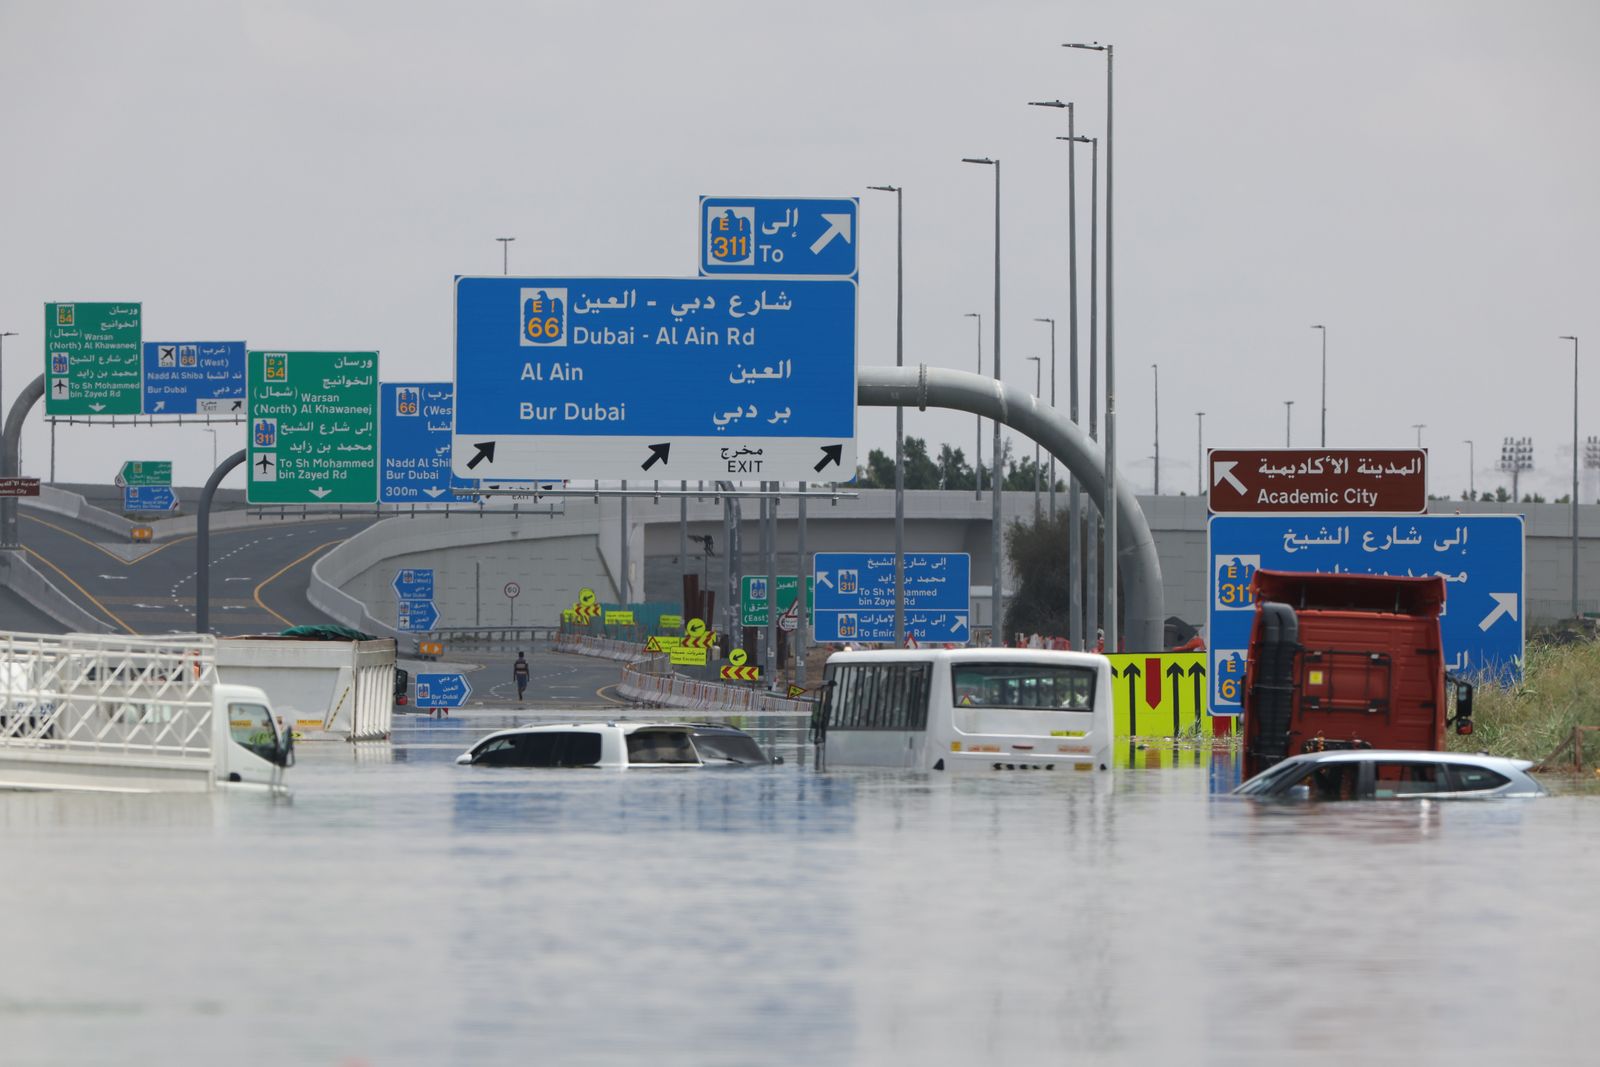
265	463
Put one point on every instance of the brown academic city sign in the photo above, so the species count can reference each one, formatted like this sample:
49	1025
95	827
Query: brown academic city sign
1267	481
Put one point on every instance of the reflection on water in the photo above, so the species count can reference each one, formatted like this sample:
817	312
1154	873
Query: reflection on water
405	910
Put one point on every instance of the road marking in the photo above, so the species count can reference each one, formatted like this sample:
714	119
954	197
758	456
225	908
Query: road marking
101	549
68	579
289	566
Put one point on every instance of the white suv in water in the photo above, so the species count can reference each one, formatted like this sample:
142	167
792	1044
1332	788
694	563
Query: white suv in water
620	746
1379	774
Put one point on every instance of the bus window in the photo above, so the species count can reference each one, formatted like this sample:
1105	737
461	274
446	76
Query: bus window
1023	685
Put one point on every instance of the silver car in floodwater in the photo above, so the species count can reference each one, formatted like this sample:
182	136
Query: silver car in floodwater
1379	774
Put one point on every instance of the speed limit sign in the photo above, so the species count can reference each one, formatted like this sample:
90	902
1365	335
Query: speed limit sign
513	590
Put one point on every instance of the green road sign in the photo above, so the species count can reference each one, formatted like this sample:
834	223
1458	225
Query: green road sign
753	608
92	359
313	427
153	473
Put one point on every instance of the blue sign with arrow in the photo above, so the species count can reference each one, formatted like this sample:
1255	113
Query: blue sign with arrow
442	690
854	597
416	616
800	236
194	378
1480	557
414	445
659	378
149	498
414	583
413	588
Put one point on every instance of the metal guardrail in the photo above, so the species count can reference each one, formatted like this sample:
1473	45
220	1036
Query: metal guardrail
491	635
648	679
140	699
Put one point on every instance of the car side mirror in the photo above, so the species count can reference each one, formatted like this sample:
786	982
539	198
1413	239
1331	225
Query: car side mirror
1298	792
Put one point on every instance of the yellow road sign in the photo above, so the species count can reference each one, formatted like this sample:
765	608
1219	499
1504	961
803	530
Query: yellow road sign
672	622
1160	694
689	657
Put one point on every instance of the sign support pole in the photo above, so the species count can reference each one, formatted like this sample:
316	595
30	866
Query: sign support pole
202	543
772	584
622	586
8	457
801	570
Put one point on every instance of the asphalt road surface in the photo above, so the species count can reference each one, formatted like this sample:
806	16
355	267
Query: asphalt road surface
258	575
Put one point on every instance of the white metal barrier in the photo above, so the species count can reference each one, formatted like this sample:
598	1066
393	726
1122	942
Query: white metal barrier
141	700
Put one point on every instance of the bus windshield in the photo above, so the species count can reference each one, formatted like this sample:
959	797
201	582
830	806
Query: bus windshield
1023	685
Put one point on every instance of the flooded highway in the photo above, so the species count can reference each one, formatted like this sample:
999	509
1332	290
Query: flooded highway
404	910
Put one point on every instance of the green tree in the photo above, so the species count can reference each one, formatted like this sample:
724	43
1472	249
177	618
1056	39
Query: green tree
921	472
1037	551
954	471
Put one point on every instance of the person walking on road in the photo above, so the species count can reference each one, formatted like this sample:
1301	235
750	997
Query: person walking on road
519	671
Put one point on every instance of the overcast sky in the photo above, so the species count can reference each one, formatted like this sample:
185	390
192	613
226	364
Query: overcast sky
1420	177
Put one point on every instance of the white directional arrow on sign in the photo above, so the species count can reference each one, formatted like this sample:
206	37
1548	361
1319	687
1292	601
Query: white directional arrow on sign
320	493
838	226
1222	471
1504	604
822	579
960	623
435	492
97	407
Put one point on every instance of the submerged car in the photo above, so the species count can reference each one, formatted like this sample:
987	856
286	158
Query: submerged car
621	746
1378	774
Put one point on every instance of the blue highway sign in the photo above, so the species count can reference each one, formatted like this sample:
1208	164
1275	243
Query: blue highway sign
416	616
414	583
655	378
442	690
194	378
414	445
149	498
1480	557
802	236
854	598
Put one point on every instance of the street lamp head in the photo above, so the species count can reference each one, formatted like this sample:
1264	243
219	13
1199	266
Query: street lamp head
972	315
985	162
885	188
1050	321
1047	103
1092	47
505	238
9	333
1319	327
1079	137
1568	337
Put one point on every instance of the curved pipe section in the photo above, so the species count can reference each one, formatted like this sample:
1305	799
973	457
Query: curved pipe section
924	387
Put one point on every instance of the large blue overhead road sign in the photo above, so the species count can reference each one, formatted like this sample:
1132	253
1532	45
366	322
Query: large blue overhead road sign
194	378
655	378
801	236
1480	557
413	583
414	445
854	598
442	690
413	590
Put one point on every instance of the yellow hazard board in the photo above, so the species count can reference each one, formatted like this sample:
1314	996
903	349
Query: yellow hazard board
689	657
619	618
672	622
1159	694
796	691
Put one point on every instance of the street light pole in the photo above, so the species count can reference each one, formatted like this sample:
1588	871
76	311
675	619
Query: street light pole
1324	330
1574	340
1052	323
213	434
1419	427
1112	630
994	538
1038	375
899	421
1155	371
1199	453
977	455
1472	490
505	254
1288	414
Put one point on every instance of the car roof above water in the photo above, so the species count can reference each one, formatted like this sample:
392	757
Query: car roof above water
971	655
1408	755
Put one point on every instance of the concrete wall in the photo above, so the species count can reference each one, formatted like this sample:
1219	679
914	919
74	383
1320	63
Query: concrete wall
552	556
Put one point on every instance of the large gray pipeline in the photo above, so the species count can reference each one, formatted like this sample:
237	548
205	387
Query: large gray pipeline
924	387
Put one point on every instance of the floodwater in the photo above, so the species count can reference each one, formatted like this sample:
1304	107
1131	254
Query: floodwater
403	910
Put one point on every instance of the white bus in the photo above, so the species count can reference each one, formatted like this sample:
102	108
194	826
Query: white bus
986	709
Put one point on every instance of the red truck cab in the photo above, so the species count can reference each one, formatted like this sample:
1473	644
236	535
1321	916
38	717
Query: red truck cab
1345	661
